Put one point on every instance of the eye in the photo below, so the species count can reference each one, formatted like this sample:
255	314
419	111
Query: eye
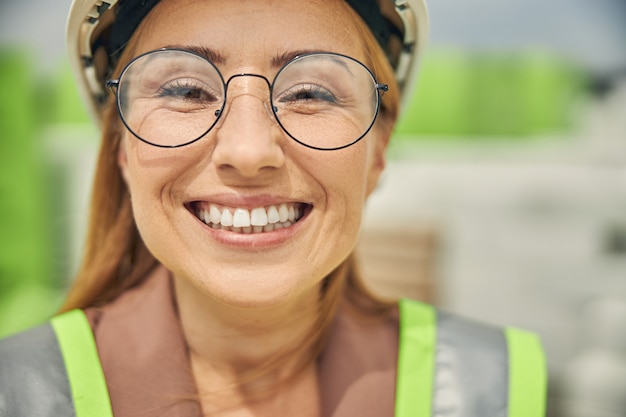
187	90
307	93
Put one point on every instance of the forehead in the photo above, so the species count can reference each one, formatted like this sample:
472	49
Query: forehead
245	30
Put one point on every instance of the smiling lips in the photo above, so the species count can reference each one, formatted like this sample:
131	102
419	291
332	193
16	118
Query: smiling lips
257	220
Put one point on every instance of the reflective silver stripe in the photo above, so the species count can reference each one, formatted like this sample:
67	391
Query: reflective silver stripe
33	381
471	369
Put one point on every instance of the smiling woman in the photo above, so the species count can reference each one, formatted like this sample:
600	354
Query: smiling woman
241	140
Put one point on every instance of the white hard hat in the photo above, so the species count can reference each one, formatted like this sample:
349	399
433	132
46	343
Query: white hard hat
89	39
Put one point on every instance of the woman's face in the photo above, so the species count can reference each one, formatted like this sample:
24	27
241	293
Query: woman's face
246	165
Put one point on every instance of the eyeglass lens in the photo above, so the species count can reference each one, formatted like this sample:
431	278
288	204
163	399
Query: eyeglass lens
171	98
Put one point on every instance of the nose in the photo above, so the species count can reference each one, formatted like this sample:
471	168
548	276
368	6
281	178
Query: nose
248	140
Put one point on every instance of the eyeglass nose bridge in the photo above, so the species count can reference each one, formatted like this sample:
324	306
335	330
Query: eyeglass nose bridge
271	110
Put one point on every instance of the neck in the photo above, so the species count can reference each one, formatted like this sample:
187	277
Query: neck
230	340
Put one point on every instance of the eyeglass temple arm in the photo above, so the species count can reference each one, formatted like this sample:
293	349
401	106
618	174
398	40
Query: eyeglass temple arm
112	84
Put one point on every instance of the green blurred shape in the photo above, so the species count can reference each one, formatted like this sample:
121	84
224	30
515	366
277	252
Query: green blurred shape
25	258
66	105
440	103
550	90
491	94
495	106
26	306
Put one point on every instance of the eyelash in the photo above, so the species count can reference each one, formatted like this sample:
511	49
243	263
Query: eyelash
313	92
174	88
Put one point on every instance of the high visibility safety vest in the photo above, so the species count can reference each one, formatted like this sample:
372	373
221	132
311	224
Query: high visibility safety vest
447	367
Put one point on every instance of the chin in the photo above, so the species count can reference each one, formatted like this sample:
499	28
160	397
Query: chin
256	289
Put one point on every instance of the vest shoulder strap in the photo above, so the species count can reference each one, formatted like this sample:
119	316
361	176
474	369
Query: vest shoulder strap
452	367
53	371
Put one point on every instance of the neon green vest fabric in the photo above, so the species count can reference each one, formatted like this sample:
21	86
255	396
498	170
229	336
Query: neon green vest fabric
447	367
452	367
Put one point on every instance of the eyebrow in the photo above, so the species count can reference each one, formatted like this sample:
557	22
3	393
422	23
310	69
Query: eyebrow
207	53
281	59
217	58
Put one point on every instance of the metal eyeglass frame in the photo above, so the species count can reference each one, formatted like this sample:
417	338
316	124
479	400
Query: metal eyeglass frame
113	85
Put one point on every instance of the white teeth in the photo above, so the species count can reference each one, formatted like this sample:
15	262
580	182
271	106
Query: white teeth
227	218
241	218
258	220
283	213
258	217
203	215
214	214
272	215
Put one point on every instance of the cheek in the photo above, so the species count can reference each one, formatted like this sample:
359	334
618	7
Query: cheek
358	170
153	176
147	168
344	176
376	159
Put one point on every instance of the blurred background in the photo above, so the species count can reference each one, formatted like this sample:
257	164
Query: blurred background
504	199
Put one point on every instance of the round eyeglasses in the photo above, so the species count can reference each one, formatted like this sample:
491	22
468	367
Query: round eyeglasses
173	97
